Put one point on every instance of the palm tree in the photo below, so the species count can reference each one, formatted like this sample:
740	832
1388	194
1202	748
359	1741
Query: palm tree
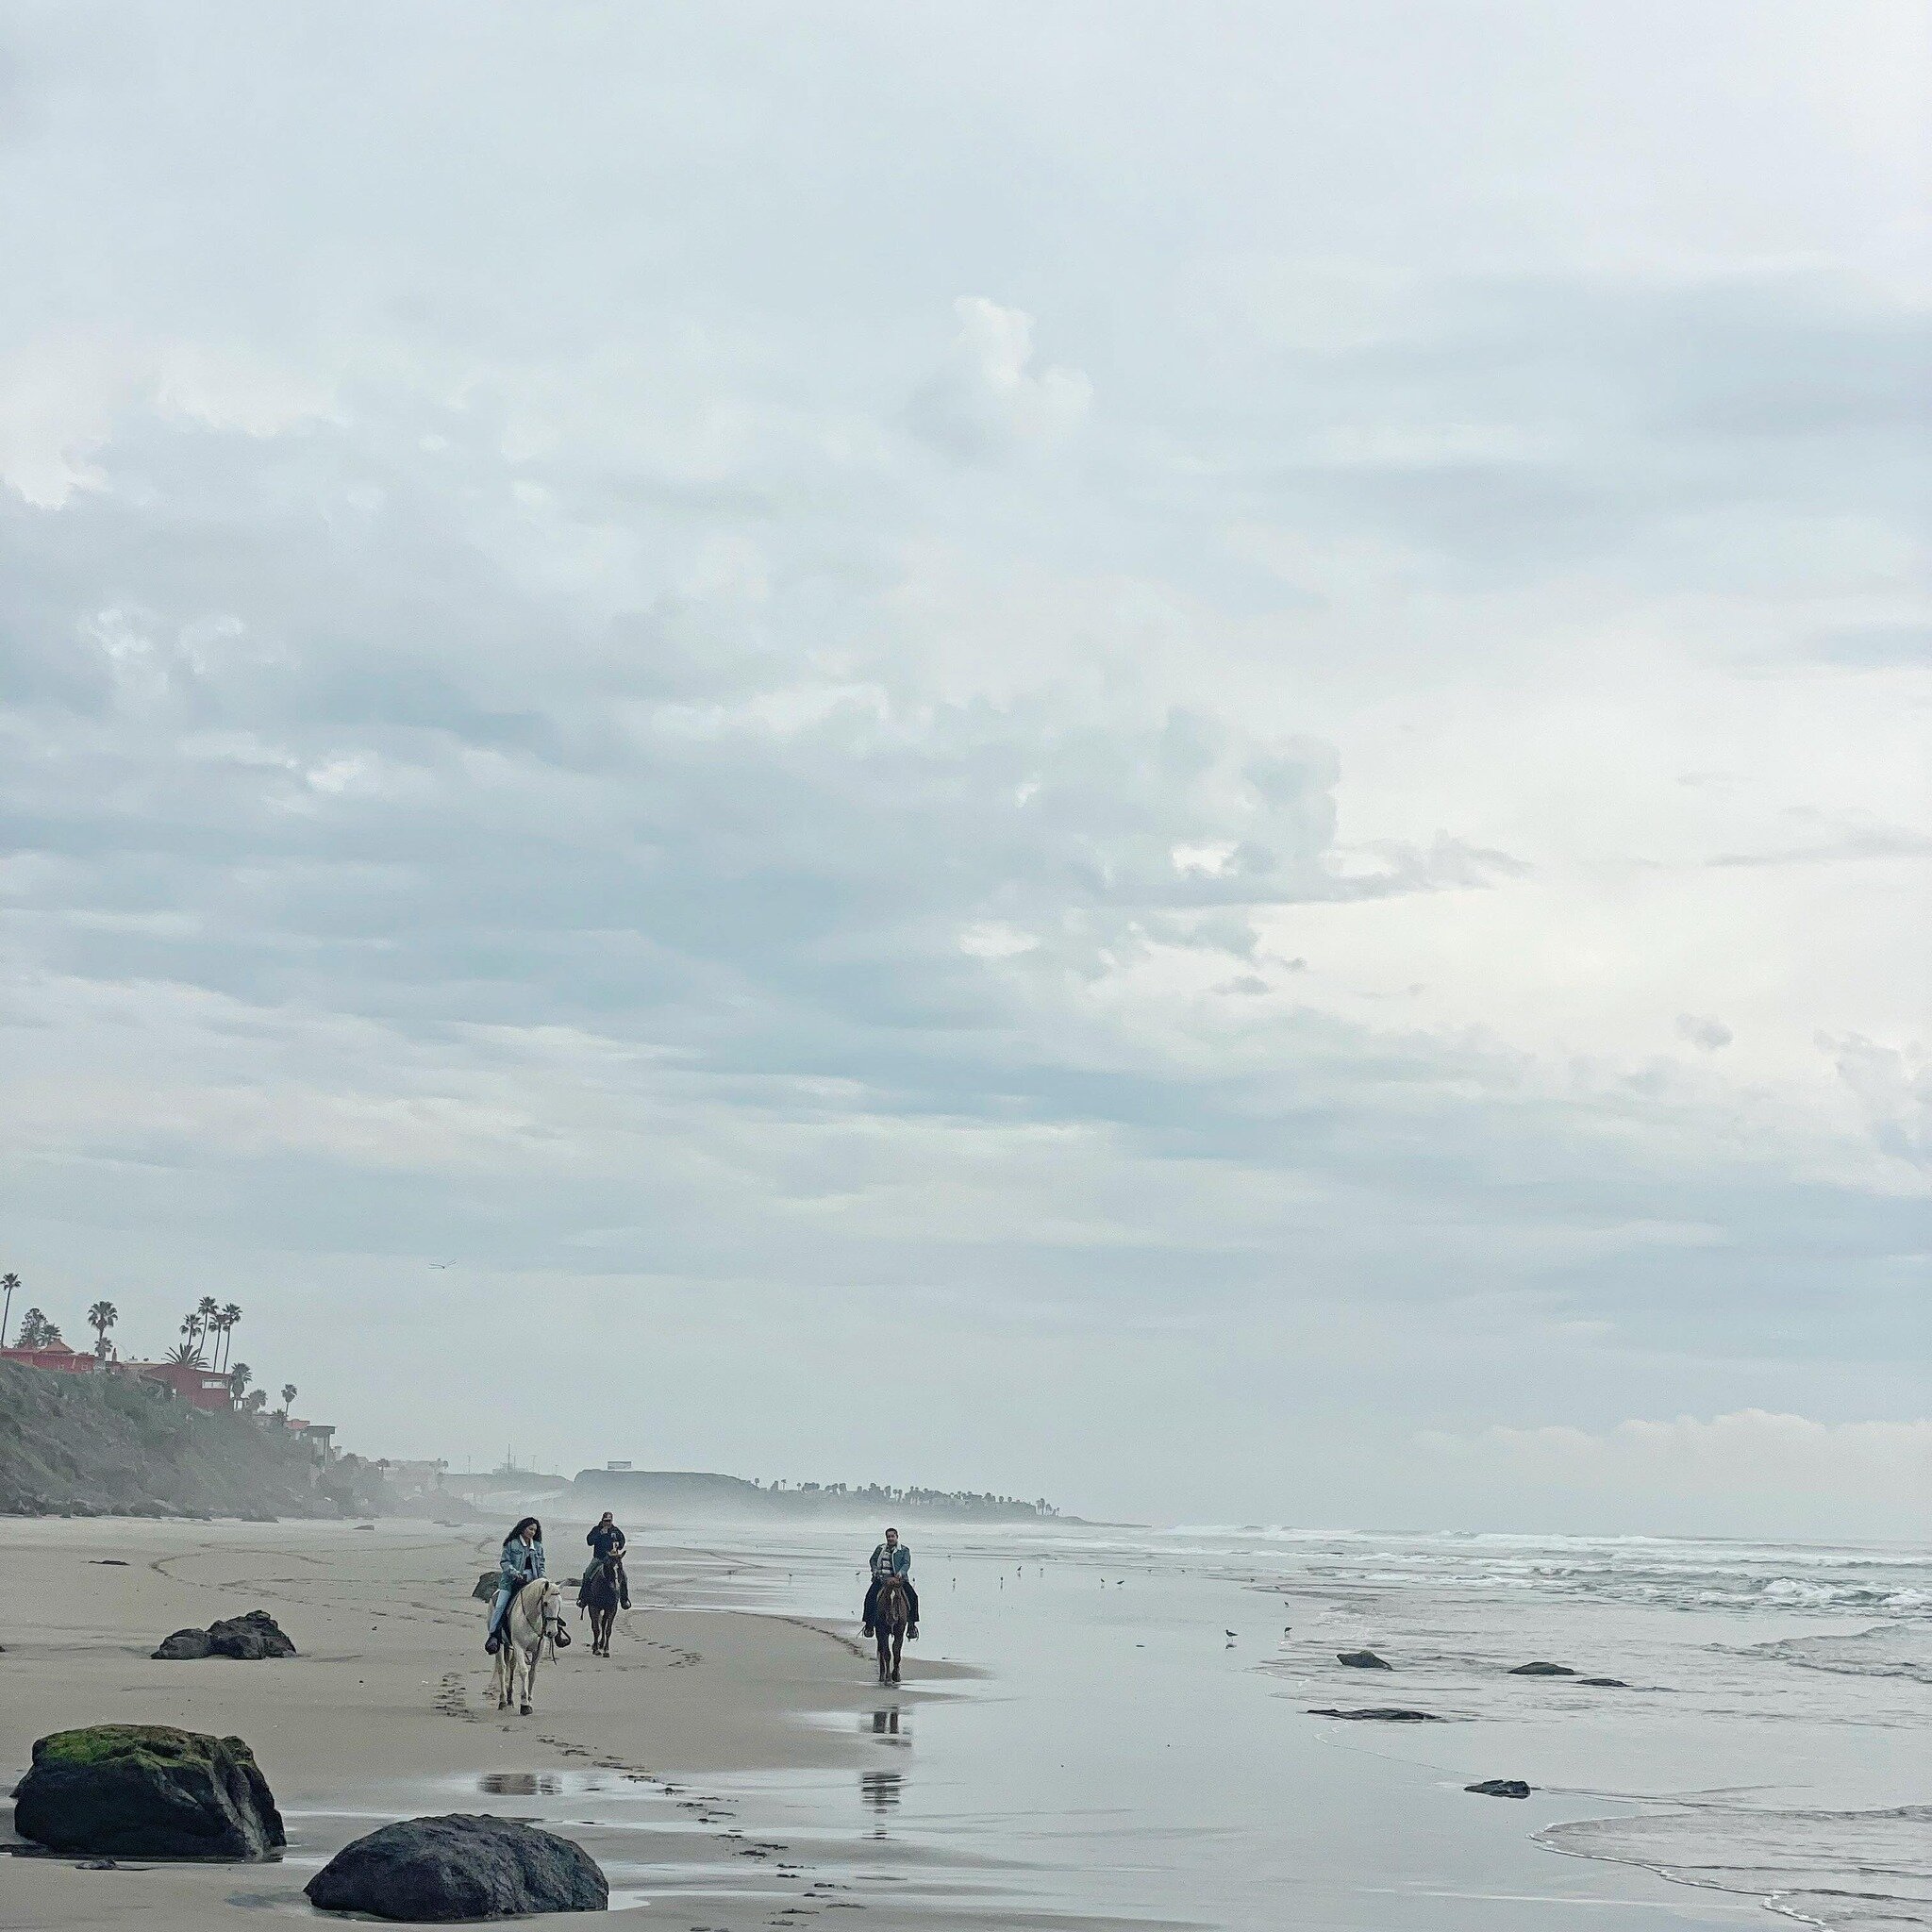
238	1379
192	1328
288	1397
183	1354
102	1317
208	1313
254	1401
231	1315
34	1329
9	1282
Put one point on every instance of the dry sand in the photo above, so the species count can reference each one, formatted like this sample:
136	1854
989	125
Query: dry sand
385	1711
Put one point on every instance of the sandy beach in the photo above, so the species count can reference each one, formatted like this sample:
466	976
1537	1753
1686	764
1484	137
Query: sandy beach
1099	1728
388	1696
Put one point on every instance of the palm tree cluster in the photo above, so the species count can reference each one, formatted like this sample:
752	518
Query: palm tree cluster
208	1331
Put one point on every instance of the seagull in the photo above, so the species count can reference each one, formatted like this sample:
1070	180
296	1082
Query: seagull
1230	1633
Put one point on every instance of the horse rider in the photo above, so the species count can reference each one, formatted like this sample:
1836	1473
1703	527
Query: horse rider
607	1541
893	1559
523	1563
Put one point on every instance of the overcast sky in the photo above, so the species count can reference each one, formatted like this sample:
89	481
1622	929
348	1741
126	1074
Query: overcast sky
1171	754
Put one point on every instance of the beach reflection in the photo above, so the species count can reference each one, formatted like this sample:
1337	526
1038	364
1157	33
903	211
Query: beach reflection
521	1784
881	1789
885	1723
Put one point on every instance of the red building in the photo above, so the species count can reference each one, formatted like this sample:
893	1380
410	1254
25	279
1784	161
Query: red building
195	1383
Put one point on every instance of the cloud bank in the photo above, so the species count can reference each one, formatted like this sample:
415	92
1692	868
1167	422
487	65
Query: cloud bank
991	712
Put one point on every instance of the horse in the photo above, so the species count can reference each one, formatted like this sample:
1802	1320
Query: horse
598	1595
891	1613
533	1619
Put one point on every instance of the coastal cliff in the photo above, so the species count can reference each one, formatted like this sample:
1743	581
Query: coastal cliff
92	1445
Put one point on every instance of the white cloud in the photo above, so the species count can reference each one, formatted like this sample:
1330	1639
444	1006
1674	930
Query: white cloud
1705	1032
988	400
1749	1470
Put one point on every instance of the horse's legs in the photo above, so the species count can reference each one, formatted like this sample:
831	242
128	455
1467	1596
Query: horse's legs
898	1645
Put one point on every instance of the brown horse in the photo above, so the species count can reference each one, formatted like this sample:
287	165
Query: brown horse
598	1595
891	1613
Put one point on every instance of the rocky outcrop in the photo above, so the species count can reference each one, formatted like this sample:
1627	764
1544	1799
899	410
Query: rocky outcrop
249	1637
1604	1683
1540	1670
1362	1660
1382	1714
461	1866
147	1791
1500	1787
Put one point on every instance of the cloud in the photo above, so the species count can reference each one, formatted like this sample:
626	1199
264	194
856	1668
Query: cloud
1707	1034
987	401
1893	1088
570	724
1750	1470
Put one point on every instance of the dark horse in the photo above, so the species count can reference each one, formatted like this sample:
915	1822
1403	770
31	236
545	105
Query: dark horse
889	1616
599	1594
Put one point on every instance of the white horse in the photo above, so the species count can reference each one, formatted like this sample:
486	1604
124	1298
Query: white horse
534	1618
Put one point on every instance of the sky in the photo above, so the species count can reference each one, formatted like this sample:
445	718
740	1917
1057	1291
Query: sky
1171	757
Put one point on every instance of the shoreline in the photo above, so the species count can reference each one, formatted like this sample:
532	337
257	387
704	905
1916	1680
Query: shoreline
388	1696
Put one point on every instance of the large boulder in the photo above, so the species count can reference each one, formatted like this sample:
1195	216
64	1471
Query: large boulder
460	1866
251	1636
147	1791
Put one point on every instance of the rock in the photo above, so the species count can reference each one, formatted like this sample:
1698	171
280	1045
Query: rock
250	1636
1500	1787
1382	1714
1362	1660
1543	1671
460	1866
147	1791
186	1644
1604	1683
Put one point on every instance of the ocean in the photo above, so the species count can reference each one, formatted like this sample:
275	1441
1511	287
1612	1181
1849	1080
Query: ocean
1143	1749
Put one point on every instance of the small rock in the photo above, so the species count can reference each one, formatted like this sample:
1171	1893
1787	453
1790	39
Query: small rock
1500	1787
1383	1714
1604	1683
186	1644
1543	1671
461	1866
1362	1660
250	1636
147	1791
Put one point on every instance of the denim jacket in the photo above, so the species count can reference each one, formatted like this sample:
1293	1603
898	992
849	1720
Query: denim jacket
521	1564
895	1562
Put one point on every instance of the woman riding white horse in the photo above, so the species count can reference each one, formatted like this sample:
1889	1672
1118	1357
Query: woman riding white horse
522	1563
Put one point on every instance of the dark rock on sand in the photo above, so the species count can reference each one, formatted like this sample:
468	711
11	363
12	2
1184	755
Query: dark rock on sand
250	1636
1543	1671
147	1791
459	1867
1500	1787
1362	1660
1604	1683
1382	1714
186	1644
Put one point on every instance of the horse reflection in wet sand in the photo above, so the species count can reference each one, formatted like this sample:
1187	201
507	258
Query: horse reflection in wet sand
892	1612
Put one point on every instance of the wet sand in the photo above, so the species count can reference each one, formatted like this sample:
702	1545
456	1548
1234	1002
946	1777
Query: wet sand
385	1714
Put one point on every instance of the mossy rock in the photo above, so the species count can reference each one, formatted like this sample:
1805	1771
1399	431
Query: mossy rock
147	1791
